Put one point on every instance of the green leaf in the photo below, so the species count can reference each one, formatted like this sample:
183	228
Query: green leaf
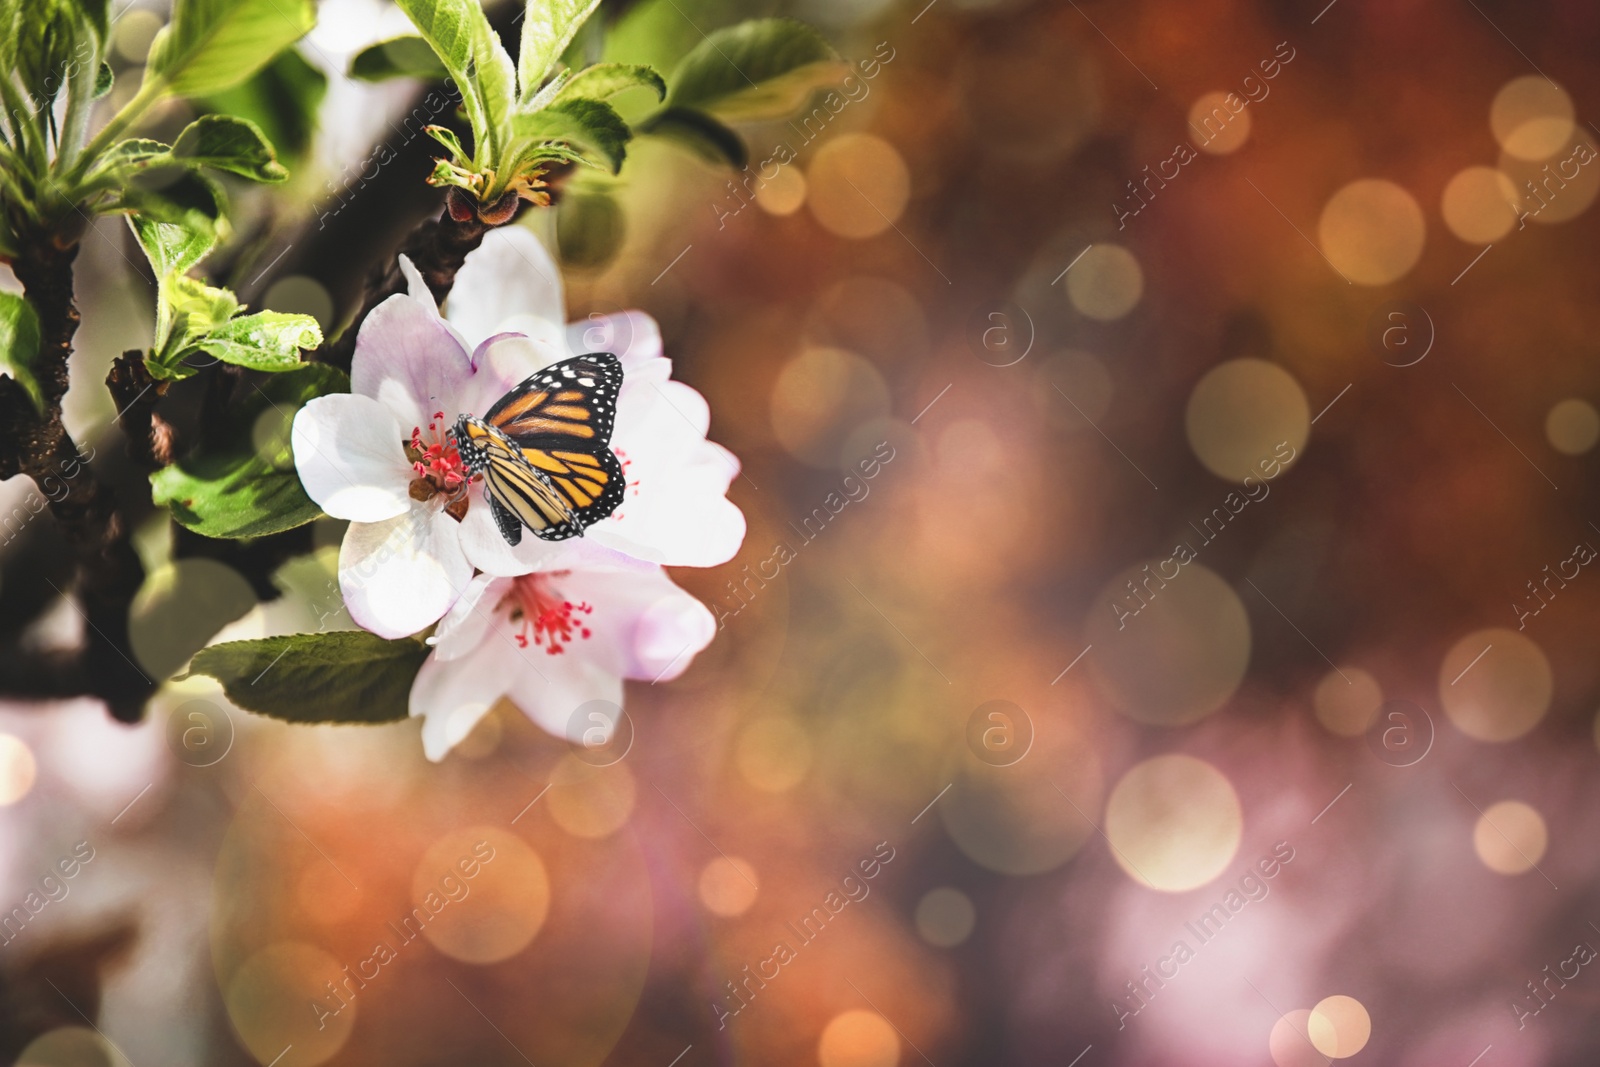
592	128
104	79
19	343
282	100
231	144
245	486
605	80
470	50
212	45
700	133
173	192
267	340
398	57
761	69
344	676
171	248
547	27
448	138
49	35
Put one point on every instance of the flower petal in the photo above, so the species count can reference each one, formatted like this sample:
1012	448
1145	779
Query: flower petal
466	625
676	512
562	685
400	575
508	283
348	453
643	626
453	695
408	358
632	336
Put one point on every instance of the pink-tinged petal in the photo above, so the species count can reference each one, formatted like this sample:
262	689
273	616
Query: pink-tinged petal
401	575
453	695
483	543
632	336
563	684
348	453
415	286
501	363
407	358
676	511
466	625
643	626
508	283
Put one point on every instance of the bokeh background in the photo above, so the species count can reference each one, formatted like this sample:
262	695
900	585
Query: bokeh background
1225	586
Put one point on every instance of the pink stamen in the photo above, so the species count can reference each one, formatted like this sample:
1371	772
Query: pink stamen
554	620
436	458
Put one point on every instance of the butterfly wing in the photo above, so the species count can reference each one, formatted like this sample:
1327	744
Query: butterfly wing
522	495
561	419
571	404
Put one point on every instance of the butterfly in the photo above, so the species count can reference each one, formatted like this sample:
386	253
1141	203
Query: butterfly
543	450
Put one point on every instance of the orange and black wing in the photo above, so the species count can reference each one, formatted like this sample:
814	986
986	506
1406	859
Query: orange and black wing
522	495
571	405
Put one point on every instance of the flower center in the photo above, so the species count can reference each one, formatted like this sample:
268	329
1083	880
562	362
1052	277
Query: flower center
438	464
538	606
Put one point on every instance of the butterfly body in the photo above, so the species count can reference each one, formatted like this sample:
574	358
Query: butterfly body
543	450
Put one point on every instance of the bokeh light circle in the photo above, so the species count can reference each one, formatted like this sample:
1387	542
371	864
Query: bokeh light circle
18	769
945	917
1174	823
773	754
1027	818
1556	189
302	295
591	802
1510	837
784	193
1346	701
819	397
1339	1026
1372	231
180	606
858	185
1178	657
1218	128
71	1046
1479	204
858	1038
728	886
1503	694
1289	1043
1572	427
1247	418
485	891
1531	117
271	1001
1105	283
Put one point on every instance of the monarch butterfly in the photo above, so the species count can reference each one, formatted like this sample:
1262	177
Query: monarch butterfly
543	450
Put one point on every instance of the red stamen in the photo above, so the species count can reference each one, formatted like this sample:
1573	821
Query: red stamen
555	621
